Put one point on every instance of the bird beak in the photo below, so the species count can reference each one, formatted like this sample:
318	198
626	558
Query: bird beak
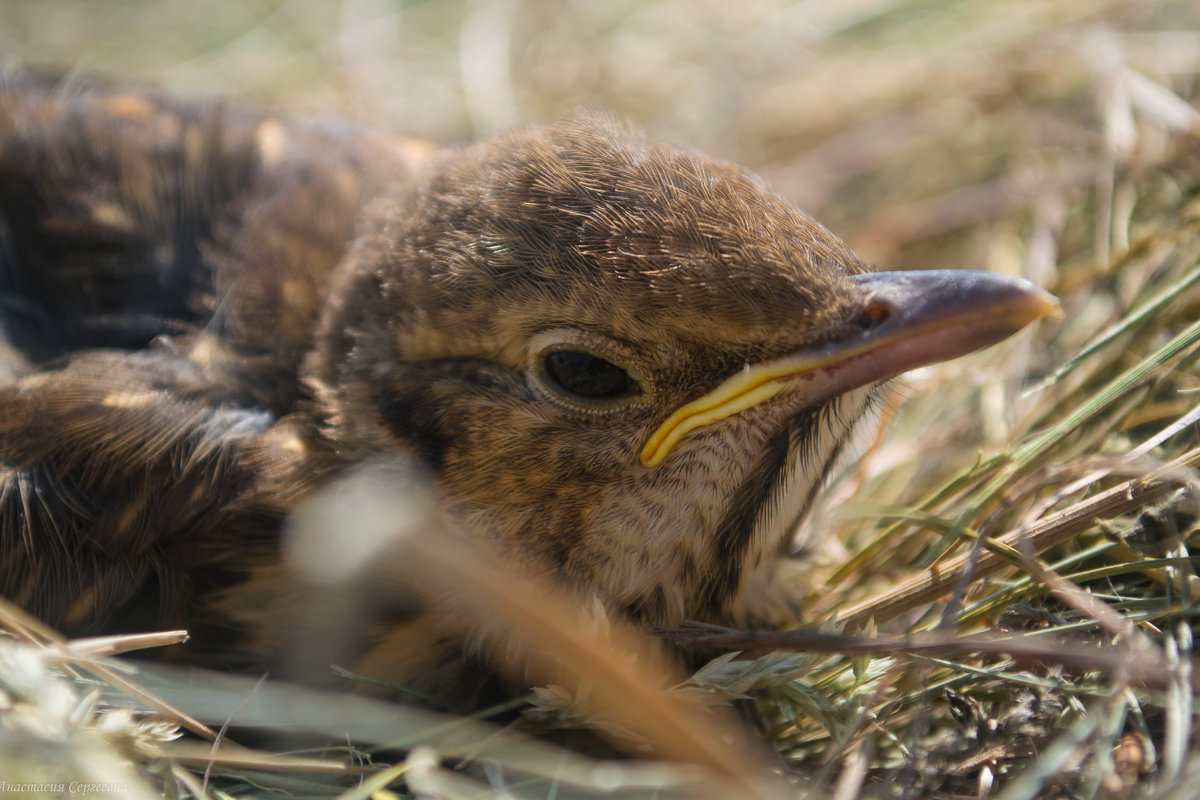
909	319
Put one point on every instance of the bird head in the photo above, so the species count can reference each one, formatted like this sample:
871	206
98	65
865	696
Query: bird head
625	360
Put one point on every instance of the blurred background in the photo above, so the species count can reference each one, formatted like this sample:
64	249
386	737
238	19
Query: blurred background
854	110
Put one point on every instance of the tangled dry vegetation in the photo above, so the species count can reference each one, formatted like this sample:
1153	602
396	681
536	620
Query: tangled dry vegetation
1003	592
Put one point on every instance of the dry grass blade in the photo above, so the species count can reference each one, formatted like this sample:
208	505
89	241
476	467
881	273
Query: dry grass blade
201	755
1049	532
16	620
108	646
286	708
1141	316
1140	665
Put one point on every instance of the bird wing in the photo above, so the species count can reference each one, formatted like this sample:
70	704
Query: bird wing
128	215
114	489
162	262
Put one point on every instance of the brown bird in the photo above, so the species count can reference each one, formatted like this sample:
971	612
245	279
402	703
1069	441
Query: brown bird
623	360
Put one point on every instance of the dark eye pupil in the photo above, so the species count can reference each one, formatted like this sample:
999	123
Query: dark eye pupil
588	375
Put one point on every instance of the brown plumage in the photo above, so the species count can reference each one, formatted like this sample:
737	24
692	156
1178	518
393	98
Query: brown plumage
210	312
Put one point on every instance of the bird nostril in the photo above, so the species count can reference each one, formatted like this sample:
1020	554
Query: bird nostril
874	313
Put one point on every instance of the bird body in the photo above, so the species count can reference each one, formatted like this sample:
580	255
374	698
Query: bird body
626	363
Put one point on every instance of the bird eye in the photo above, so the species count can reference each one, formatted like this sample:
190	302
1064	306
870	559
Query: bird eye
588	376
